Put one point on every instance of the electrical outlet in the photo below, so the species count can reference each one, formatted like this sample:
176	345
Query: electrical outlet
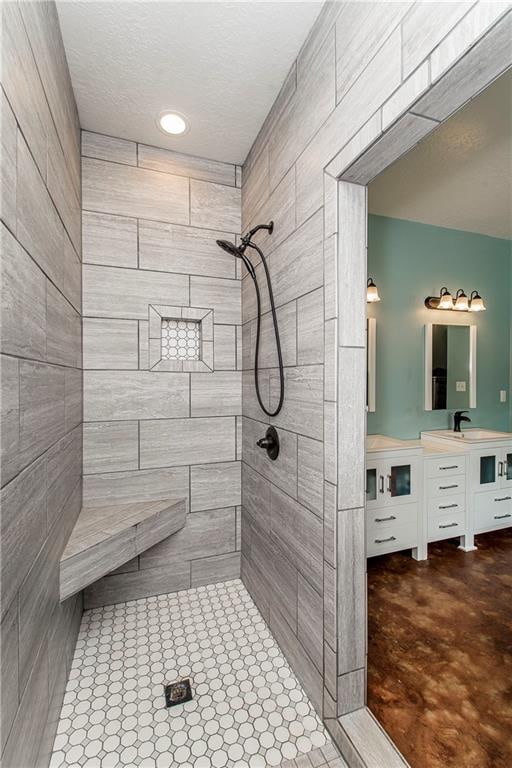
503	395
460	386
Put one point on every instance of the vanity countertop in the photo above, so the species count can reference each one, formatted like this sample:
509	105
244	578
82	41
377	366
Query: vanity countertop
384	443
467	438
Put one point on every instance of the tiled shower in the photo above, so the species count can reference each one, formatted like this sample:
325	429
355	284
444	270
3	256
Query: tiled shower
127	388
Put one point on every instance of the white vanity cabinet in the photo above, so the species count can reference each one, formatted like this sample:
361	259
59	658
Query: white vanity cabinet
393	495
491	476
445	495
488	460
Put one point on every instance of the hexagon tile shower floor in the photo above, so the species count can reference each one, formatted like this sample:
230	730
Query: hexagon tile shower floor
248	709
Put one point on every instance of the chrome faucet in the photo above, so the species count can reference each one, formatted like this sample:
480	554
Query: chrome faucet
458	417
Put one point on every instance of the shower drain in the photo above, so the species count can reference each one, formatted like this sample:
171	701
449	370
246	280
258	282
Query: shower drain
178	692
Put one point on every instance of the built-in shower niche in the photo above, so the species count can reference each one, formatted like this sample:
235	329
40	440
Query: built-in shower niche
180	338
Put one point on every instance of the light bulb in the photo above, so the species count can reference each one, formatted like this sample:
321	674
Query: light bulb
461	301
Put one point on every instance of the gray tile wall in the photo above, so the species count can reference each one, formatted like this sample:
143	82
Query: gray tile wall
150	221
41	360
361	68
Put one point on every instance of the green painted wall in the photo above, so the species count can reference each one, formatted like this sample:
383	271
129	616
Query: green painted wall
410	261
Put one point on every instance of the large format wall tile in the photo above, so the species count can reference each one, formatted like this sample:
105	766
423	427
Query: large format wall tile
125	395
109	240
23	310
109	148
158	159
220	482
111	446
223	296
188	250
177	442
41	381
216	394
144	485
300	534
296	266
208	570
23	526
110	344
214	206
302	410
204	533
129	191
127	293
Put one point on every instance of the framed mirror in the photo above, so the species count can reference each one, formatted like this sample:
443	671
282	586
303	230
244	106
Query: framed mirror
371	356
450	366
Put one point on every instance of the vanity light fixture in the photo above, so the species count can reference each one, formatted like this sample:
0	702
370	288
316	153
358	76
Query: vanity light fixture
372	294
476	303
173	123
461	303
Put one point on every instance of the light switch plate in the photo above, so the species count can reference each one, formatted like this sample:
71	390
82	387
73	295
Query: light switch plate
460	386
503	395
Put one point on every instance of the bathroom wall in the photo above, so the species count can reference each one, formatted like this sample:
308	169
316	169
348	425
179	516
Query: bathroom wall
150	221
360	69
410	261
40	375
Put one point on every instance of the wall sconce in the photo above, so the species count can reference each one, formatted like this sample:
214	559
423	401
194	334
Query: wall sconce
372	294
476	303
461	303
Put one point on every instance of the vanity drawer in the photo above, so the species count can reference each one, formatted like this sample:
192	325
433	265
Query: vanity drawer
448	505
445	486
384	540
446	526
492	509
392	529
453	465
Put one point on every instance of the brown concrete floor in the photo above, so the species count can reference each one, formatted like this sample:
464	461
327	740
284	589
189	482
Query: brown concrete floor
440	653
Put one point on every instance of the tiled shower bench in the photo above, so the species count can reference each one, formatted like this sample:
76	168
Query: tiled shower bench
106	537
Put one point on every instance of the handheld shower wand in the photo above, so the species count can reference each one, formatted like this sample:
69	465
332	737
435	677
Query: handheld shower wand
239	252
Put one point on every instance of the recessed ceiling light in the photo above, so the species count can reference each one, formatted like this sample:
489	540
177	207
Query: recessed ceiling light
173	123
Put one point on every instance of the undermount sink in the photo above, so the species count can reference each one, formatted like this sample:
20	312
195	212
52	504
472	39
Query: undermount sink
469	435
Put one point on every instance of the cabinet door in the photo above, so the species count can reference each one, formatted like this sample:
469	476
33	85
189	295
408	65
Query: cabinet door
485	469
505	468
375	487
401	481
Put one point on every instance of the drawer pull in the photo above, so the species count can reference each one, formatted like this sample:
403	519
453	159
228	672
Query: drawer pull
452	466
381	483
447	487
448	506
502	517
503	498
383	541
385	519
449	525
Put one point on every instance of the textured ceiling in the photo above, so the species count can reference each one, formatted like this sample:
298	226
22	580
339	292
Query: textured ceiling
461	175
219	63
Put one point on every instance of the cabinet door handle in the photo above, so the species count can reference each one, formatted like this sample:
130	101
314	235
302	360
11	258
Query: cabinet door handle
452	466
384	541
500	469
448	525
385	519
503	498
447	487
381	483
389	483
502	517
448	506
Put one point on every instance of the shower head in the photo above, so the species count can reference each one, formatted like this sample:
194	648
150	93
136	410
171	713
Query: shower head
231	248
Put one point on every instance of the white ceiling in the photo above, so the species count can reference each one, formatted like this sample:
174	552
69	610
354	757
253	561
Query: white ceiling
460	176
219	63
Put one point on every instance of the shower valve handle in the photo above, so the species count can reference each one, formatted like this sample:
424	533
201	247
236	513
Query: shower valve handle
270	443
